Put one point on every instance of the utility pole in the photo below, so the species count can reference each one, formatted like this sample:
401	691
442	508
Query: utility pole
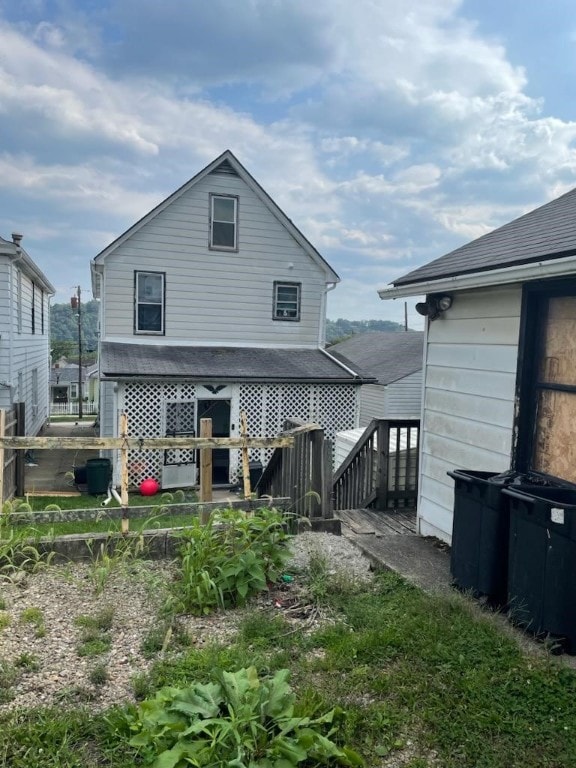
76	303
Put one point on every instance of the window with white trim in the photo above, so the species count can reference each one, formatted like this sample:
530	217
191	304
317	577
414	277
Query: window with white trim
149	308
286	301
223	222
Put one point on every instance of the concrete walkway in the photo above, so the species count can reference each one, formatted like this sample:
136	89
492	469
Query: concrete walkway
390	539
50	468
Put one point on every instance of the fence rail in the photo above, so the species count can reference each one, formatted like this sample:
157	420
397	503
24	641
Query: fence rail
381	471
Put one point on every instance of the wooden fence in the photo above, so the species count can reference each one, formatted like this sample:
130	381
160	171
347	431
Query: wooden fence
11	461
382	469
303	473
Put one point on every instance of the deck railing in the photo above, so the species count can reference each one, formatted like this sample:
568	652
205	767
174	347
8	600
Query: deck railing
381	471
302	472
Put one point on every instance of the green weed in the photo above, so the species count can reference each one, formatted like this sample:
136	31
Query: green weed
27	661
98	675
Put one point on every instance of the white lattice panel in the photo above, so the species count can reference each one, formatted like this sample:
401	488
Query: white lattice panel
144	405
268	406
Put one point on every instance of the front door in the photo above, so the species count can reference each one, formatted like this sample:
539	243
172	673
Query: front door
219	412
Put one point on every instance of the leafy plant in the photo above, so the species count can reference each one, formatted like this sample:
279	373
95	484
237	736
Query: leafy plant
240	720
230	558
115	554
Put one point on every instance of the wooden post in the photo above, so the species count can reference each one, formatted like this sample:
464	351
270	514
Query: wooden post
2	434
20	410
124	473
205	464
383	438
245	459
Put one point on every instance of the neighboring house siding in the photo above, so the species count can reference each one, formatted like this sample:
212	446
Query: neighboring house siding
5	329
107	410
400	400
215	296
372	403
469	397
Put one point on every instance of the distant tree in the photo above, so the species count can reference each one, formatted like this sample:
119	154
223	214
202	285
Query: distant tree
338	330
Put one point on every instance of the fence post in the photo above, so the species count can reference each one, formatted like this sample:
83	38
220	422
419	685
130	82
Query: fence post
20	413
245	460
124	474
383	438
317	473
205	465
2	434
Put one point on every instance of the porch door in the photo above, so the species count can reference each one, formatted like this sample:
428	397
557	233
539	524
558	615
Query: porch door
179	470
219	412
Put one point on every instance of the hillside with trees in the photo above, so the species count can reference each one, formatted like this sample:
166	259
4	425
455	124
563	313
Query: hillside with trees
64	331
337	330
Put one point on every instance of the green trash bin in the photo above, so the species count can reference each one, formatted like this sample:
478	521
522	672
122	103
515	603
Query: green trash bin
98	475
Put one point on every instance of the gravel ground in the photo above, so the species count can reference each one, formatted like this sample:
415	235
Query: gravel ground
37	625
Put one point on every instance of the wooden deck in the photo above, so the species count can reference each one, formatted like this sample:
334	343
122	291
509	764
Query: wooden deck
369	521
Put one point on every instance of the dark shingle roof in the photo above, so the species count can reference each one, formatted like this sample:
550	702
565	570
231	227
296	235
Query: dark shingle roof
222	364
387	355
545	233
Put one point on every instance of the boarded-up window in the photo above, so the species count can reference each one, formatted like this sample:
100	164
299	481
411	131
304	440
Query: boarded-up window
554	449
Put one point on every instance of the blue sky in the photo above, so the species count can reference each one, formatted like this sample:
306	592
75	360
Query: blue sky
390	131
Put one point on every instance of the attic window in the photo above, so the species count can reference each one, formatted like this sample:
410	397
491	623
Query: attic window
286	301
149	302
223	222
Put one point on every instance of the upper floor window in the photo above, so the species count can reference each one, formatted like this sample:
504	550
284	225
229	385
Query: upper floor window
149	302
223	222
286	301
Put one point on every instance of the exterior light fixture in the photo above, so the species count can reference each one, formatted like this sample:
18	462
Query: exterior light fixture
434	306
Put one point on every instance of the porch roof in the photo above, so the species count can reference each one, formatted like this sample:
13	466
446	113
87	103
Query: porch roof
254	364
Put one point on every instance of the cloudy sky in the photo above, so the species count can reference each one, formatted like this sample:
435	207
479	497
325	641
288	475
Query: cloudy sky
390	131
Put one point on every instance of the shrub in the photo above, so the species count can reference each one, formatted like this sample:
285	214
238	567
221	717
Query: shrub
230	558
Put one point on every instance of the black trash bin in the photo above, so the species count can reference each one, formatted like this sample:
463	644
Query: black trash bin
542	562
98	475
479	552
255	472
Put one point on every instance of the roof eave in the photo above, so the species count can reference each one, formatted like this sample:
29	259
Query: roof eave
517	274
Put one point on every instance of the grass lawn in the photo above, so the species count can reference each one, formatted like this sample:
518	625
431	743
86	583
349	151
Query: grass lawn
427	680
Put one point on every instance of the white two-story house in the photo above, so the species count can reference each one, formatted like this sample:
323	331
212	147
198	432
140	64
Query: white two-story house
212	304
24	334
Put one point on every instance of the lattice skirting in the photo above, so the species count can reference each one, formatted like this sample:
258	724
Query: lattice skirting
157	408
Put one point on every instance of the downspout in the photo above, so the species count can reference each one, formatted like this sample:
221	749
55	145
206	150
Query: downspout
322	328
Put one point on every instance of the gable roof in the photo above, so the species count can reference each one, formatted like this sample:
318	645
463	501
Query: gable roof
387	355
546	233
15	252
226	163
230	364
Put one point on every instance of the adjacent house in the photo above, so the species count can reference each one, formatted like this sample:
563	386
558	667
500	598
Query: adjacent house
499	356
65	384
24	334
395	360
212	304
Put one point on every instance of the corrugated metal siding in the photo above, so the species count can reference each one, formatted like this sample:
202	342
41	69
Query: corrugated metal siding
215	296
469	397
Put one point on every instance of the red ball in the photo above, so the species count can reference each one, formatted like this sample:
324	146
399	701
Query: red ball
149	487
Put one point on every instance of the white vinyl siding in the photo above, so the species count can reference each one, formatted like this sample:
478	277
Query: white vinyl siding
216	297
471	356
401	399
21	352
